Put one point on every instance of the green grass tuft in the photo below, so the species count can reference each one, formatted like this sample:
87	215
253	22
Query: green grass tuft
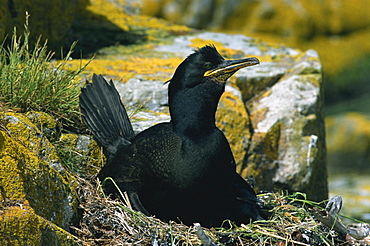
30	80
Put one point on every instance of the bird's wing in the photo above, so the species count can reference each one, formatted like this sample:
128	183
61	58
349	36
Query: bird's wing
105	115
151	153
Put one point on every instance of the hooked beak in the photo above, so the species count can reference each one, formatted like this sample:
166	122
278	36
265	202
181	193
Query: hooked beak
229	67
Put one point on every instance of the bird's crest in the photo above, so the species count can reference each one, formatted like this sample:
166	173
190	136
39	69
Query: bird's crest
209	52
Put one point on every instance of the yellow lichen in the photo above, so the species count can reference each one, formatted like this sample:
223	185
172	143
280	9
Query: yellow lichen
88	159
130	67
19	225
333	28
42	119
233	119
10	179
224	51
25	132
126	22
30	169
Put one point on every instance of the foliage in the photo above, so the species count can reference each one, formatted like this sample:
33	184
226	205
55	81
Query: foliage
30	80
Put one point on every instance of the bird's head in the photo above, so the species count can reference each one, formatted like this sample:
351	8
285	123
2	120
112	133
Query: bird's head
207	65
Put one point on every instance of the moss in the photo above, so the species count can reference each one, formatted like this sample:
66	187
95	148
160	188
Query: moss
19	225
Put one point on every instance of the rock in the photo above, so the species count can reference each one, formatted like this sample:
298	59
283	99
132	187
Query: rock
32	175
81	153
272	114
233	120
152	93
286	111
300	19
20	225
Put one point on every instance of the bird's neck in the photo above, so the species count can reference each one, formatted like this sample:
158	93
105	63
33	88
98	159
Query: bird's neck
194	116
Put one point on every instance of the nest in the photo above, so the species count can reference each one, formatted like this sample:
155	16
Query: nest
112	222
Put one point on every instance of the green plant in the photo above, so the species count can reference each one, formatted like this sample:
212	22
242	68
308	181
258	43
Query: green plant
30	80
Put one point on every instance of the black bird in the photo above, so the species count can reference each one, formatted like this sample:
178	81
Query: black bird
182	170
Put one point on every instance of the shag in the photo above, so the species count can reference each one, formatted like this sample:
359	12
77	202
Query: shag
182	170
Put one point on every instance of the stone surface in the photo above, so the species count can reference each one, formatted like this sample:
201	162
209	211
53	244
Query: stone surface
20	225
271	115
32	175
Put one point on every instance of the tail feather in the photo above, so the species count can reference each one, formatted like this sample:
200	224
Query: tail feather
105	115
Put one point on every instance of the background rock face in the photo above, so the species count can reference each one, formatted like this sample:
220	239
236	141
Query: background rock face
323	25
52	19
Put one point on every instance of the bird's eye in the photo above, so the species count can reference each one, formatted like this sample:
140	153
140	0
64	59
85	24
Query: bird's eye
207	65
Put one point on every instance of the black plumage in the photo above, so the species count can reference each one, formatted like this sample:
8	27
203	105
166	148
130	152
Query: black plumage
182	170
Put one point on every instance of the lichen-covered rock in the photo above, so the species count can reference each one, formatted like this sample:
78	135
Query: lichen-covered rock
31	173
298	19
288	145
81	153
20	225
233	120
271	113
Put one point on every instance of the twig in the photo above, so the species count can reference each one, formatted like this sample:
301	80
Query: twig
206	241
329	218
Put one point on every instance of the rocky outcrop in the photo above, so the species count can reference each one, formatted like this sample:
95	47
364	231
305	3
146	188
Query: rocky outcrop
301	19
288	144
38	194
271	115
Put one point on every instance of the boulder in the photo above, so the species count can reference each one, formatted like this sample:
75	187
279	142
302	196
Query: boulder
37	192
20	225
288	144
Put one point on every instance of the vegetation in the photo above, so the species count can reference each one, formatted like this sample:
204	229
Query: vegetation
30	80
113	222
